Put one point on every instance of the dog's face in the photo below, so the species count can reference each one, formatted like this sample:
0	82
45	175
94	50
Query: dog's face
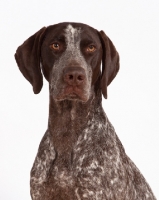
70	55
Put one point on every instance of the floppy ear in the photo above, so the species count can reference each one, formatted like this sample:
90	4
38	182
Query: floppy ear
28	60
110	62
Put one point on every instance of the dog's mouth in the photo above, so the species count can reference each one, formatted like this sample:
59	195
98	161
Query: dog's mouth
72	93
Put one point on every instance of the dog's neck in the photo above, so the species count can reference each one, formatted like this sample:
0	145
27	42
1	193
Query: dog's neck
67	119
71	115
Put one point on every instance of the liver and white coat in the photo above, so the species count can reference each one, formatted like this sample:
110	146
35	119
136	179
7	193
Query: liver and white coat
80	156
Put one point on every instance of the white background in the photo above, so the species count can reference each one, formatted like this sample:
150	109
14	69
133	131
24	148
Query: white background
133	97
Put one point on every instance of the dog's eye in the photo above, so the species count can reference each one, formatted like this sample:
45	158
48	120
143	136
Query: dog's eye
55	46
91	48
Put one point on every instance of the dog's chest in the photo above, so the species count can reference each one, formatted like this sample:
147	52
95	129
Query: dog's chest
83	180
91	164
86	173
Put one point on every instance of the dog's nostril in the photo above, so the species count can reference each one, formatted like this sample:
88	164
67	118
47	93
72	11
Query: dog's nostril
70	77
80	78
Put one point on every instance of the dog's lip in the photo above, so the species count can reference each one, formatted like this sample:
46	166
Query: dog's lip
72	93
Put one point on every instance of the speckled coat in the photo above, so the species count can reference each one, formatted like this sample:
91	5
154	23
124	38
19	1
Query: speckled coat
80	156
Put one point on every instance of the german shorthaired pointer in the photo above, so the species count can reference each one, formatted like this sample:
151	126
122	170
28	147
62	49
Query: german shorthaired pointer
80	156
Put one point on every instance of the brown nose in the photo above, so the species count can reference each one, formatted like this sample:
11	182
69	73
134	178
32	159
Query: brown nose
74	75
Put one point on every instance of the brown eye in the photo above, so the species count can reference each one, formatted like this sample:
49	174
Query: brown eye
91	48
55	46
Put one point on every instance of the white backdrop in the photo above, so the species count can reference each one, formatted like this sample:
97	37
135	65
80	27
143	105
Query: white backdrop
133	99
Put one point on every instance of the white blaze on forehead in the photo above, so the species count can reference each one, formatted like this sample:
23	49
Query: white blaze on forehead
72	37
71	29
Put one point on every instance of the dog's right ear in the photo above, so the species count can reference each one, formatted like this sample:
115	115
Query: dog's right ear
28	59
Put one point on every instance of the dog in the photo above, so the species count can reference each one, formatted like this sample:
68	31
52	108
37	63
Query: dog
80	156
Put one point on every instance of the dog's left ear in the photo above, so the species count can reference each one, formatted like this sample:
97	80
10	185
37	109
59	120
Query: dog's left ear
110	62
28	59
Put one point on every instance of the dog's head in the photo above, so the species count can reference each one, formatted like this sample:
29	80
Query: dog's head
70	56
